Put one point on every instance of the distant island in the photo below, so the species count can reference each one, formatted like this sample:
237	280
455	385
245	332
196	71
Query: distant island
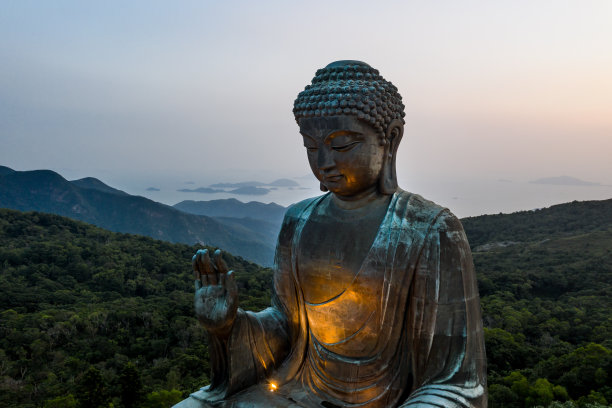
244	187
239	185
153	189
205	190
564	181
249	190
275	183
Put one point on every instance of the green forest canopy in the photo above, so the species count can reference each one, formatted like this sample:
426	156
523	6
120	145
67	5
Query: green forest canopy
94	318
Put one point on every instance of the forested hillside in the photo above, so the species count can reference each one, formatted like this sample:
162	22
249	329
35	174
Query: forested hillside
90	317
559	220
545	280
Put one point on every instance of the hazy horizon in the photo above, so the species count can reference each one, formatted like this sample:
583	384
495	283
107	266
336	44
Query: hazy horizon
465	199
154	94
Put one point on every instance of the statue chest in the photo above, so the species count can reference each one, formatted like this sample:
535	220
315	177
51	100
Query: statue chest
342	297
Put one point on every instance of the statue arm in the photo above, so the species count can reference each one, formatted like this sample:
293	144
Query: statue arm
258	342
448	357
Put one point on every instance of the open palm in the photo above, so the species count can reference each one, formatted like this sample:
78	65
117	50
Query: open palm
216	293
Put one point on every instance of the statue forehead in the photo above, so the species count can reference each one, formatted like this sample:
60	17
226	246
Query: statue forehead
333	123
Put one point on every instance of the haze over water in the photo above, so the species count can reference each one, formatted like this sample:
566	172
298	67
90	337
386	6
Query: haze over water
464	198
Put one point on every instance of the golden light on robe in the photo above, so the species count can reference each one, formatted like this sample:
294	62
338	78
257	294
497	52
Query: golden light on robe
273	387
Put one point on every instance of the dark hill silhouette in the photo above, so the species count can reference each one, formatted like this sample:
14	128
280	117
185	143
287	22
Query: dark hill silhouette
47	191
5	170
556	221
233	208
95	184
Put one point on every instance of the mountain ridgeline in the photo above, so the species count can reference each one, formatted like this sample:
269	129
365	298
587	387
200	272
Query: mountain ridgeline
92	201
559	220
272	213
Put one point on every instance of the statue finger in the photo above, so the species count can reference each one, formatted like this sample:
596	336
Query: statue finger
213	276
231	288
230	285
219	262
196	272
204	266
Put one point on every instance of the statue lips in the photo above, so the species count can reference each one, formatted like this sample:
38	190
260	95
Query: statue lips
333	177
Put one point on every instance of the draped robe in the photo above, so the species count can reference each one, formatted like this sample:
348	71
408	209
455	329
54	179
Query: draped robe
429	350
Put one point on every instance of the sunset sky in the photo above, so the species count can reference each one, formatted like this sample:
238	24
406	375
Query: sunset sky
158	93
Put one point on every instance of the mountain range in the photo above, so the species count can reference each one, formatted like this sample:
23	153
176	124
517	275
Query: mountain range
92	201
248	229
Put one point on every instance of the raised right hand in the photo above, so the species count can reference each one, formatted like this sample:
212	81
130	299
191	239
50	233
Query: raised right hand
216	294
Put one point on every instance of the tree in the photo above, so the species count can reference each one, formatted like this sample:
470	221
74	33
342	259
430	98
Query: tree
541	393
130	385
92	389
162	399
67	401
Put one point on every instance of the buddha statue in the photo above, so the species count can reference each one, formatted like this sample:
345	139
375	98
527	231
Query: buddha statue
375	300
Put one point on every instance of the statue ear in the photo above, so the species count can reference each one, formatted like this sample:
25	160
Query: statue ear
387	183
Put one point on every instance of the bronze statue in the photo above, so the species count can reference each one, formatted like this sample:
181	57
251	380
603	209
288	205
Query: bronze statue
375	299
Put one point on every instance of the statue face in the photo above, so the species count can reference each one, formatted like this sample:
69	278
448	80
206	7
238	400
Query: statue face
345	154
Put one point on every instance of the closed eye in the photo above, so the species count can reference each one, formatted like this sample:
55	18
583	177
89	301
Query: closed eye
346	147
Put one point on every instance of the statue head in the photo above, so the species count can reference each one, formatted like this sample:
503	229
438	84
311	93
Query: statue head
352	122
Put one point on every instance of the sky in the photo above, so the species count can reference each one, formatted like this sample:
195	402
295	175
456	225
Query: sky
175	94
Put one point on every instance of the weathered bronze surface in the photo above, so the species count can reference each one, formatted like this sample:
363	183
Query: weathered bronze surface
375	301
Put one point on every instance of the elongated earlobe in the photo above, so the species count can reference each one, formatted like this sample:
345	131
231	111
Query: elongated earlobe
387	182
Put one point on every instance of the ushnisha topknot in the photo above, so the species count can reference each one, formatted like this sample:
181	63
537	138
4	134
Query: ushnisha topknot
351	88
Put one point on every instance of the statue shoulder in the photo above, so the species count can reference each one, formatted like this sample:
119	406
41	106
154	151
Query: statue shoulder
426	212
295	212
300	209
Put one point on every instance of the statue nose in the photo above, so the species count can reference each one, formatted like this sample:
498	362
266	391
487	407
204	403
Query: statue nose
324	159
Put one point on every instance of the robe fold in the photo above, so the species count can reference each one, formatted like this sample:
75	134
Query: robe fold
429	351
